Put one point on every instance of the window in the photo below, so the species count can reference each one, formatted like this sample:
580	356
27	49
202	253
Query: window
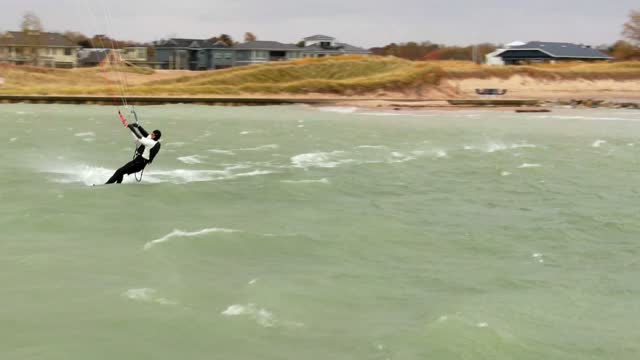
217	55
227	55
260	54
67	52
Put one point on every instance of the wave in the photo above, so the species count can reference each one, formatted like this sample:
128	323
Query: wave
180	233
90	175
493	146
598	143
321	181
260	315
225	152
260	148
85	134
338	109
147	295
319	159
191	159
526	165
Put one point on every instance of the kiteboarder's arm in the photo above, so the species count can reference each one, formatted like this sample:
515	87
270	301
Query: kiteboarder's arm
134	131
142	130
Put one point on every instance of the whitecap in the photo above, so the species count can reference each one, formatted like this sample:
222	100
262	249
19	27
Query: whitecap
253	281
505	173
338	109
441	153
319	159
320	181
224	152
526	165
147	295
261	316
482	325
180	233
260	148
598	143
191	159
371	147
83	134
13	139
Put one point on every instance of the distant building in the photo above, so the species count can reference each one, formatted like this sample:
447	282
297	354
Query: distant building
38	48
136	55
536	52
322	45
194	54
258	52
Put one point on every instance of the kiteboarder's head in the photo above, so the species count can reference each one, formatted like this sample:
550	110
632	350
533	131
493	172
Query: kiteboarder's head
156	134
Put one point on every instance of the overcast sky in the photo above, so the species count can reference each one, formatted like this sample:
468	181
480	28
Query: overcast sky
365	23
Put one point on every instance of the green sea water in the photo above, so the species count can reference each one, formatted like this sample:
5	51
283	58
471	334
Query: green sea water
292	232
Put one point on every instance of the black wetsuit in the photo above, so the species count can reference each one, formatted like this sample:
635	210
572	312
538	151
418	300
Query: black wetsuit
139	162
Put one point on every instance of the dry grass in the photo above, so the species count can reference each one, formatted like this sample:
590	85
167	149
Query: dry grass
345	75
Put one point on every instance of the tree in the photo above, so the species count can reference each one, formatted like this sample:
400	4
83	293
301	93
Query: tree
623	50
78	38
31	26
632	27
31	22
226	39
248	37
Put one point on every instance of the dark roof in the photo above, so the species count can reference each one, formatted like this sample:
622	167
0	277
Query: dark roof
190	43
20	38
266	45
94	56
339	48
562	50
319	37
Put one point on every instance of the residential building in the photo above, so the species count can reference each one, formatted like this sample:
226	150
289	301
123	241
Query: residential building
136	55
38	48
322	45
536	52
192	54
259	52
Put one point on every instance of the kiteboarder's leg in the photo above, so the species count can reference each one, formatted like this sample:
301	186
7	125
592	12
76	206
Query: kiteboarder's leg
131	167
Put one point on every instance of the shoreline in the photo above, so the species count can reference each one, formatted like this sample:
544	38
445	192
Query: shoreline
508	104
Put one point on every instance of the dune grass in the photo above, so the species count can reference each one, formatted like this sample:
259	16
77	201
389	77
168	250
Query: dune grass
344	75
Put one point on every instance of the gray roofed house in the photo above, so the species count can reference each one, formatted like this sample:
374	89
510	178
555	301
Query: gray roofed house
258	52
195	54
192	54
38	48
322	45
541	52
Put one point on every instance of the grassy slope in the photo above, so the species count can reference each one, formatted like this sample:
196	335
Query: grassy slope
345	75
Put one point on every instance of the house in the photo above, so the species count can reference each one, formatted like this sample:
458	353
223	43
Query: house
92	57
195	54
192	54
258	52
322	45
38	48
535	52
136	55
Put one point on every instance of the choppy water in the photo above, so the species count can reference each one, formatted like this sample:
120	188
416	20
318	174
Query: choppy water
334	233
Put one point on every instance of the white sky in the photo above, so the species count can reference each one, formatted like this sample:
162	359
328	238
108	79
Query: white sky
364	23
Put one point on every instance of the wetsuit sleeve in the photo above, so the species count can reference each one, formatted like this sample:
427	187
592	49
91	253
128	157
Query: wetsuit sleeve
142	131
136	134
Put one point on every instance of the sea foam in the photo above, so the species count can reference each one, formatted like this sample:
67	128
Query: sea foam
179	233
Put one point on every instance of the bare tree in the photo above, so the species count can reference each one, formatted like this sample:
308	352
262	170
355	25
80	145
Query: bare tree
248	37
31	22
31	27
632	27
